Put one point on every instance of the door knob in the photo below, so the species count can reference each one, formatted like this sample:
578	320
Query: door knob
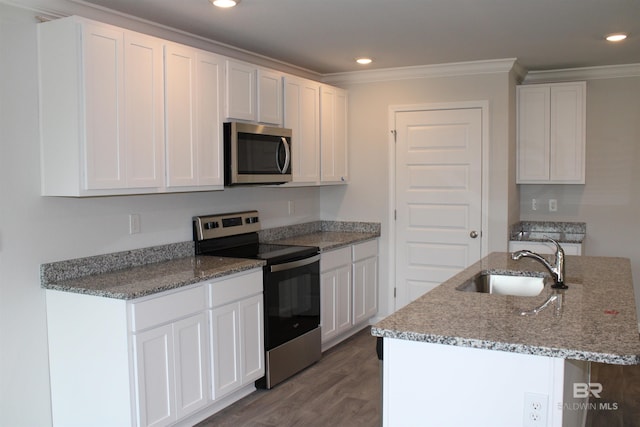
473	234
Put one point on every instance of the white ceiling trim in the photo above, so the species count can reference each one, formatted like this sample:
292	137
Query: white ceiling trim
586	73
426	71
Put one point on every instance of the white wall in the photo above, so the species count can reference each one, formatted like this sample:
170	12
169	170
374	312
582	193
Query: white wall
35	229
367	196
609	202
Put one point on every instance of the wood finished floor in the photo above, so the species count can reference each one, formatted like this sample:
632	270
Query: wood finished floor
343	389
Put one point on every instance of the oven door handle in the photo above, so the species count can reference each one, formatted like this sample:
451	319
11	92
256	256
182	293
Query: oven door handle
294	264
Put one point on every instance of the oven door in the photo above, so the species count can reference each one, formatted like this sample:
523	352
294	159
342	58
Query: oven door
292	300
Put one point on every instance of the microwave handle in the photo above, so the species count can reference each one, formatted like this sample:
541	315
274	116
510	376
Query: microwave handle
287	158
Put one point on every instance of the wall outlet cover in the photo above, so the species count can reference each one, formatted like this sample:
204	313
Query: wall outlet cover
535	410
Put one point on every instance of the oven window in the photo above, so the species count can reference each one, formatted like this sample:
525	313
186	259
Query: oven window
292	303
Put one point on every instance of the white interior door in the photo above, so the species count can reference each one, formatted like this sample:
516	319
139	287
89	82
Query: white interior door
438	197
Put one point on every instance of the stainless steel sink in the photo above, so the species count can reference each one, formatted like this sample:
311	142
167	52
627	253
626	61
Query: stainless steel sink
503	284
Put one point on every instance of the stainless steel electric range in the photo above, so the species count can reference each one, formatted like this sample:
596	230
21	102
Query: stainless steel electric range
291	279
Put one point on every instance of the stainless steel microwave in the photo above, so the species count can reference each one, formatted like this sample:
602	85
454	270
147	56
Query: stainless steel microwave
256	154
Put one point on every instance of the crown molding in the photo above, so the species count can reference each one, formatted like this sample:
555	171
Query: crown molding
54	9
426	71
586	73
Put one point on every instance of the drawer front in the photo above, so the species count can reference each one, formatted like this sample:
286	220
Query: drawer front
167	308
334	259
365	250
235	288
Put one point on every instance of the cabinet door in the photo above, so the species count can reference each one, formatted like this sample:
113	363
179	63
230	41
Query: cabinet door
567	127
302	116
104	154
155	384
193	123
225	333
333	135
144	111
335	294
269	97
551	133
328	297
365	289
252	338
209	89
241	91
191	342
533	133
180	72
344	302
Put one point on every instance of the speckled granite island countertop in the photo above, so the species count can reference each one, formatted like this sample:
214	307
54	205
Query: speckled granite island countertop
598	321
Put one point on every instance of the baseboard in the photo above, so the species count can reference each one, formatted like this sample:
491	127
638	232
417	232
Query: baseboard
348	334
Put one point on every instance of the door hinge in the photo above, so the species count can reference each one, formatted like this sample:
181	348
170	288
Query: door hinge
395	214
395	135
394	292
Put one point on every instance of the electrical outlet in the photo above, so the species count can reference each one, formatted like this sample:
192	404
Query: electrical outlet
535	410
134	223
534	204
553	205
292	207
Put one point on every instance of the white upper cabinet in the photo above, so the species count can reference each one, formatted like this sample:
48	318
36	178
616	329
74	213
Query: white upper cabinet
126	113
302	116
269	97
253	93
241	91
193	119
551	133
333	135
101	109
143	118
317	115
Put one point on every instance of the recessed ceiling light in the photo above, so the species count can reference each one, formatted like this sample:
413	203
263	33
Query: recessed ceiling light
364	61
224	3
618	37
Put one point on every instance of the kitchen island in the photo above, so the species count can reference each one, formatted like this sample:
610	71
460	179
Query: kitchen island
467	358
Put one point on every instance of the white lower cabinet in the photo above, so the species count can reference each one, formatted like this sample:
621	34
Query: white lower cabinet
170	350
335	293
164	359
237	333
172	374
348	290
365	281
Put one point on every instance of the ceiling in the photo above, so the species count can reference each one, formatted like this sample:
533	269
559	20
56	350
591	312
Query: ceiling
324	36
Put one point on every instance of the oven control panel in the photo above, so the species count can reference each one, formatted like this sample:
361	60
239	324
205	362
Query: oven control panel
229	224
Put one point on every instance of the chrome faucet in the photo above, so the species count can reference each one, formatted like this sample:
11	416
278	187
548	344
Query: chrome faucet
557	270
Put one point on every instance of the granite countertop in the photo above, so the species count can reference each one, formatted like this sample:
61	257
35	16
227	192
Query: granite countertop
598	322
141	272
136	282
328	240
538	231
